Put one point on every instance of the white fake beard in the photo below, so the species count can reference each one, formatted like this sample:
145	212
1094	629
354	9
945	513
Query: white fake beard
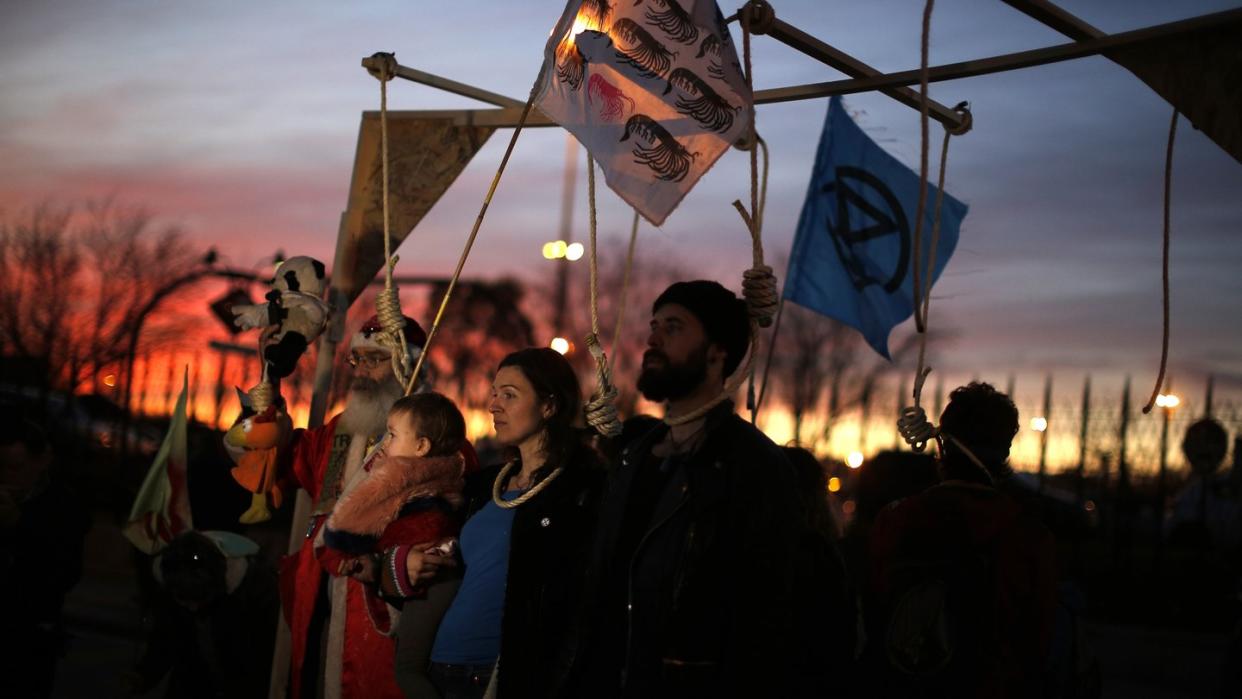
366	411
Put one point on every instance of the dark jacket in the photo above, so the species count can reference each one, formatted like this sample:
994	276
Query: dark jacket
548	548
708	588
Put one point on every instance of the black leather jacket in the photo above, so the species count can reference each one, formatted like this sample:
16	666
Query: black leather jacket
708	604
549	543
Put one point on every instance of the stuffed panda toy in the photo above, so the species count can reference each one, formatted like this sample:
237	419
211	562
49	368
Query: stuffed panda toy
294	308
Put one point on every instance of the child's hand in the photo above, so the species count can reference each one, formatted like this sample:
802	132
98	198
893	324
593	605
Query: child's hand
361	569
424	563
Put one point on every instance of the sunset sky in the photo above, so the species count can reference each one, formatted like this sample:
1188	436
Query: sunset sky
238	121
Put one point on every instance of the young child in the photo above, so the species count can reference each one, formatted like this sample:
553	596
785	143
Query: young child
407	500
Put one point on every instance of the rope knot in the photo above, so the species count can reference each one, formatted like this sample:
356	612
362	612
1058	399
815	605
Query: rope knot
601	410
381	65
388	310
757	16
967	122
915	428
762	297
261	396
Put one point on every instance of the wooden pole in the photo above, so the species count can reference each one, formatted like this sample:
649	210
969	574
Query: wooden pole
823	52
338	305
1207	397
1122	520
1083	434
1081	476
510	109
1158	505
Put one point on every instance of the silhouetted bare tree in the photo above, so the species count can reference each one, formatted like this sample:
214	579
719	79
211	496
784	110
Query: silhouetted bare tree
77	284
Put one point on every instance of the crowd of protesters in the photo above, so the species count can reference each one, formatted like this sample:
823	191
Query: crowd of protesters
684	558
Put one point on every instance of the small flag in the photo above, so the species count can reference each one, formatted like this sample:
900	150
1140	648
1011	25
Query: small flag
852	254
162	509
652	89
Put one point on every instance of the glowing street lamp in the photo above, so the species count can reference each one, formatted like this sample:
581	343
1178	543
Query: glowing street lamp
854	460
1168	401
574	252
834	484
1039	424
560	344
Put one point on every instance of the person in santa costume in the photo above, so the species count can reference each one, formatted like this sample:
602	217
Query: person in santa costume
337	650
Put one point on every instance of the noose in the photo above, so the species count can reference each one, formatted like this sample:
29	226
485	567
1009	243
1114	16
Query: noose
601	410
913	424
388	302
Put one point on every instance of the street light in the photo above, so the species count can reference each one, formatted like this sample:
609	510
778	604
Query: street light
854	460
574	252
560	344
1039	424
1168	401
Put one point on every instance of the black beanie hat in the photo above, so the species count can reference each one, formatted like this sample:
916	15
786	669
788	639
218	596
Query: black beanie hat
723	315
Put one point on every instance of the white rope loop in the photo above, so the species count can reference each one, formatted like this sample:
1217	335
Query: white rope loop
915	428
524	497
739	375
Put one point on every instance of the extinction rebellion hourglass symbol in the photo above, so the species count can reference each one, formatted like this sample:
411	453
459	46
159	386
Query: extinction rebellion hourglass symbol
850	237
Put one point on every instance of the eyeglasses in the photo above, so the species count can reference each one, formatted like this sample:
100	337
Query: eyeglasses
369	361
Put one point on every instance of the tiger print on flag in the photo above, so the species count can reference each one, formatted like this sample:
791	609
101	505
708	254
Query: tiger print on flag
652	88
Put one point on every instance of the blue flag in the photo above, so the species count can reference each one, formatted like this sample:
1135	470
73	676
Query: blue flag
852	258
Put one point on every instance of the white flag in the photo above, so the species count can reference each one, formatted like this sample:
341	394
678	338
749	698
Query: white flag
652	88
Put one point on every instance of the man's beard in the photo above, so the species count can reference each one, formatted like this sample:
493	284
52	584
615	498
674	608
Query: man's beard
672	381
368	403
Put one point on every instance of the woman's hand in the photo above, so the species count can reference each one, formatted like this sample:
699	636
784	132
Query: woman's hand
424	563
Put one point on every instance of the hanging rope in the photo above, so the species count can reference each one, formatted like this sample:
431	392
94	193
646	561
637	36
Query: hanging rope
758	282
262	394
923	131
1164	274
913	425
388	302
601	410
474	231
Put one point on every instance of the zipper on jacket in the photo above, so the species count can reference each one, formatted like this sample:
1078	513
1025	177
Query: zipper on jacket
629	588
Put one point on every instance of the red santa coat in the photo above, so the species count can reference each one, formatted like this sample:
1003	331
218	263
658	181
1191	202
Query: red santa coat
366	663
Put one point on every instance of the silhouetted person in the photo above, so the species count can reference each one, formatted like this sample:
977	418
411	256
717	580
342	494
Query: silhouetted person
825	627
702	534
42	526
215	618
962	577
1207	513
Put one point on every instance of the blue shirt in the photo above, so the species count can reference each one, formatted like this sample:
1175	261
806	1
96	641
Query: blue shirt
469	634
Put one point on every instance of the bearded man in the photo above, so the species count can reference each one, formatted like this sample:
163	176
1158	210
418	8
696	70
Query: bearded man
336	649
701	539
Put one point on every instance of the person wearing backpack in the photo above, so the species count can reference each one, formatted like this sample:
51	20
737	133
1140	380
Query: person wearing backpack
962	581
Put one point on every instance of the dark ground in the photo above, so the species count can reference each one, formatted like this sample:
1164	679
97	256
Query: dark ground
105	637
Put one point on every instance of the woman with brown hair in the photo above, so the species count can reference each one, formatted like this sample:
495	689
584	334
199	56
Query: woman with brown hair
524	545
